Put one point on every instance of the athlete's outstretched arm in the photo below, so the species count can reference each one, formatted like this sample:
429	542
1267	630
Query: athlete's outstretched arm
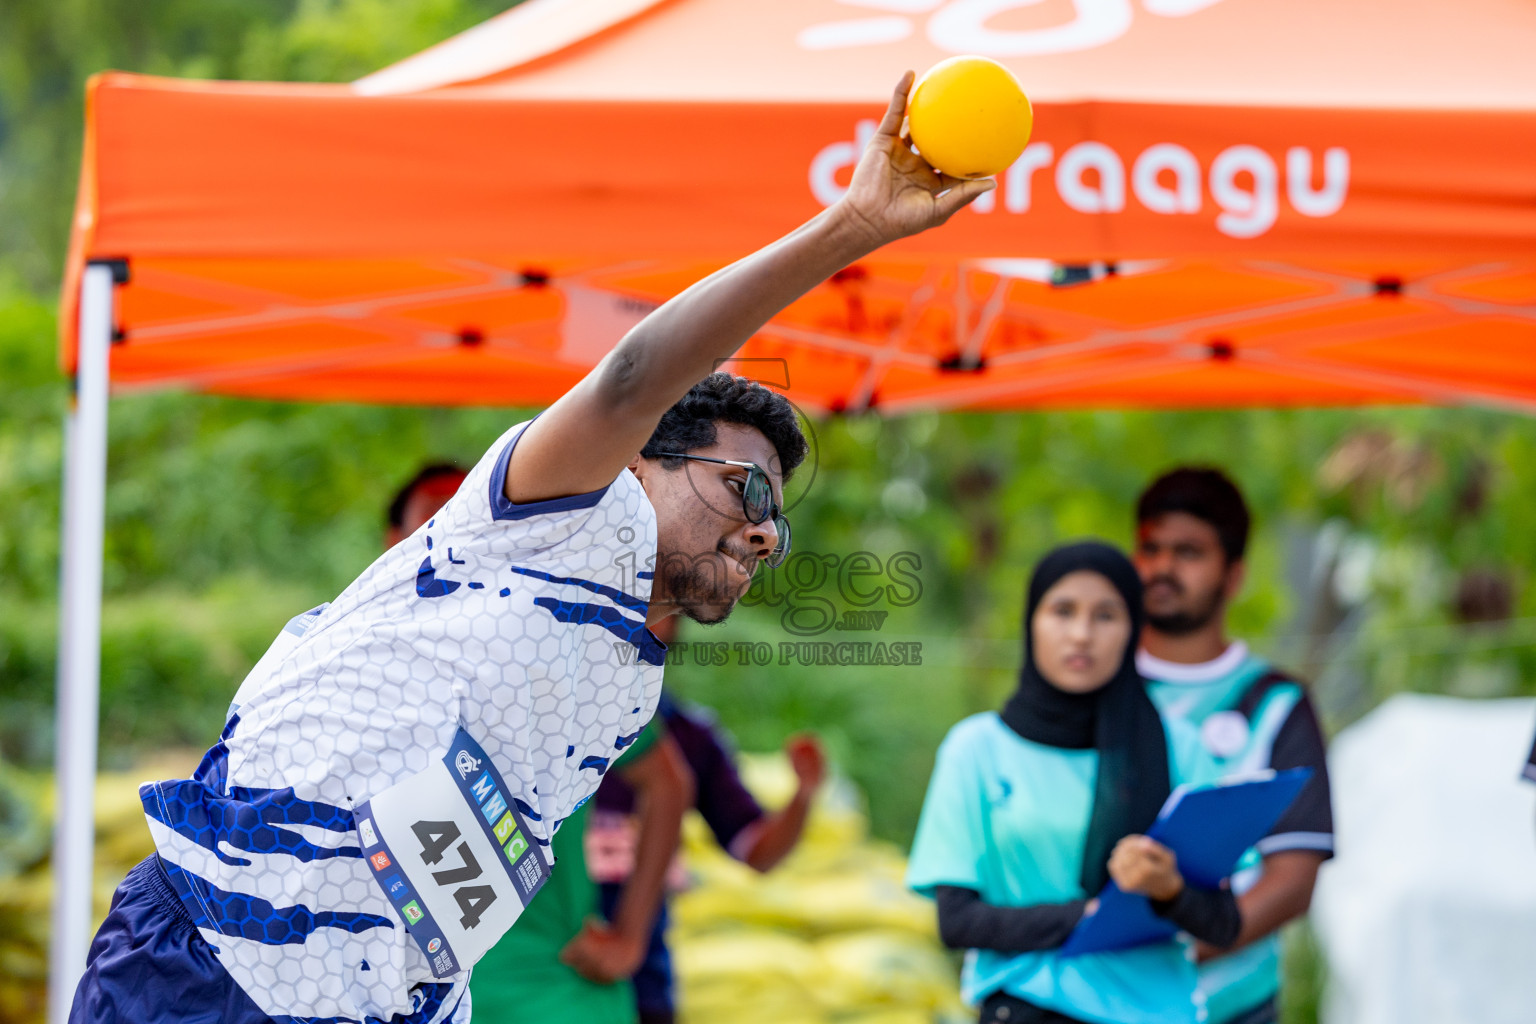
594	430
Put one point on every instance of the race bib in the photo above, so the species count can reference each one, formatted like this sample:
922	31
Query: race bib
451	852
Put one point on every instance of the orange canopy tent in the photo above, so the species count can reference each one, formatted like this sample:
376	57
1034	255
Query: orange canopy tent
1226	202
1267	201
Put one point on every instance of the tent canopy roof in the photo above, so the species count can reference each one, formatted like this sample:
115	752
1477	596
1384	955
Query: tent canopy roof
1225	203
1472	55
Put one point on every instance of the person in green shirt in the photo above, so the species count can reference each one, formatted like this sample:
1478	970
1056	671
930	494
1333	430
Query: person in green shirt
1031	811
560	963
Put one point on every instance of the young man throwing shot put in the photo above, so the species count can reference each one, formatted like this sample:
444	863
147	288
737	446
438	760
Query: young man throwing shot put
375	813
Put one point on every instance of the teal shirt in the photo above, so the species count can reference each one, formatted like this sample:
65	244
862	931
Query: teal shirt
1008	818
1202	753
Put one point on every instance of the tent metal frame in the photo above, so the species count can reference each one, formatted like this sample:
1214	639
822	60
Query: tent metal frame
79	680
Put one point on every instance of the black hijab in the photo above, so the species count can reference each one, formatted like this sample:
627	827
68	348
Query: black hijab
1118	719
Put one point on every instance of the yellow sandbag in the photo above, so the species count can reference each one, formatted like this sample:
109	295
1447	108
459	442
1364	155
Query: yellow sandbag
884	968
749	1007
832	936
770	955
747	975
814	905
24	907
122	835
891	1016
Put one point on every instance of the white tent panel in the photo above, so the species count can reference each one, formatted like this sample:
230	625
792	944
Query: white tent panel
1428	914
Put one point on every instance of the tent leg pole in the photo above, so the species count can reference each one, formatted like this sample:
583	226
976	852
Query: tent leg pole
85	480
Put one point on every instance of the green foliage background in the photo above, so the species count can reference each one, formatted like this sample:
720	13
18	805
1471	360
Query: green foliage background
226	517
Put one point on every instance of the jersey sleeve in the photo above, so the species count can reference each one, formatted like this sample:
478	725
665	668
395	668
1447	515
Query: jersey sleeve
1308	823
950	844
606	536
504	509
1529	772
483	495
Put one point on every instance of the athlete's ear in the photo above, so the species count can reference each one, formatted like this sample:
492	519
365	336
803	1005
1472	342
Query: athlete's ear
645	469
1237	574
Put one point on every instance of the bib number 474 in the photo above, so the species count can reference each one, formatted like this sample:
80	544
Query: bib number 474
436	838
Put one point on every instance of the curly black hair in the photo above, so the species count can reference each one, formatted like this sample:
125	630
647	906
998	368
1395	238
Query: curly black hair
723	398
1205	493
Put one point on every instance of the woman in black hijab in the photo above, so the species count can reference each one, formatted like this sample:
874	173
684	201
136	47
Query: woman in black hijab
1030	811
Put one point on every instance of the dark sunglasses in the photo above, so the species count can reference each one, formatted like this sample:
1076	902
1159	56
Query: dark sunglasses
757	502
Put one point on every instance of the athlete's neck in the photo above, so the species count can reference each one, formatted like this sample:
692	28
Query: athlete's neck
1207	643
659	612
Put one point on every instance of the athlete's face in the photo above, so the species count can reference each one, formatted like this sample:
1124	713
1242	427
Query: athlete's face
706	549
1184	573
1079	632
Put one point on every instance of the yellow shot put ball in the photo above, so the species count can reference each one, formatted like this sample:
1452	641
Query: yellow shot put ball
969	117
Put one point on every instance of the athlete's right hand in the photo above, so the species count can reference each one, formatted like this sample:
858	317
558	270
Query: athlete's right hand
894	193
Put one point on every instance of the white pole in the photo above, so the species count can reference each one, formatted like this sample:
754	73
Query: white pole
85	482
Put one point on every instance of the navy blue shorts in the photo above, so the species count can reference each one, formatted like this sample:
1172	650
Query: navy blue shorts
148	963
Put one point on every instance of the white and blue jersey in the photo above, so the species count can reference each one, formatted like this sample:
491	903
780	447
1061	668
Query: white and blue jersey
522	625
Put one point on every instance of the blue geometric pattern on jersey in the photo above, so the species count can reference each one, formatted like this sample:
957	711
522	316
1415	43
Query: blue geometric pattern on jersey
652	651
593	761
251	917
634	604
427	583
526	811
213	770
319	710
246	819
432	997
624	741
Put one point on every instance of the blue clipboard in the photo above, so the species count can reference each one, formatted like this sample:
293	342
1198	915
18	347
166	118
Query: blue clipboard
1208	828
